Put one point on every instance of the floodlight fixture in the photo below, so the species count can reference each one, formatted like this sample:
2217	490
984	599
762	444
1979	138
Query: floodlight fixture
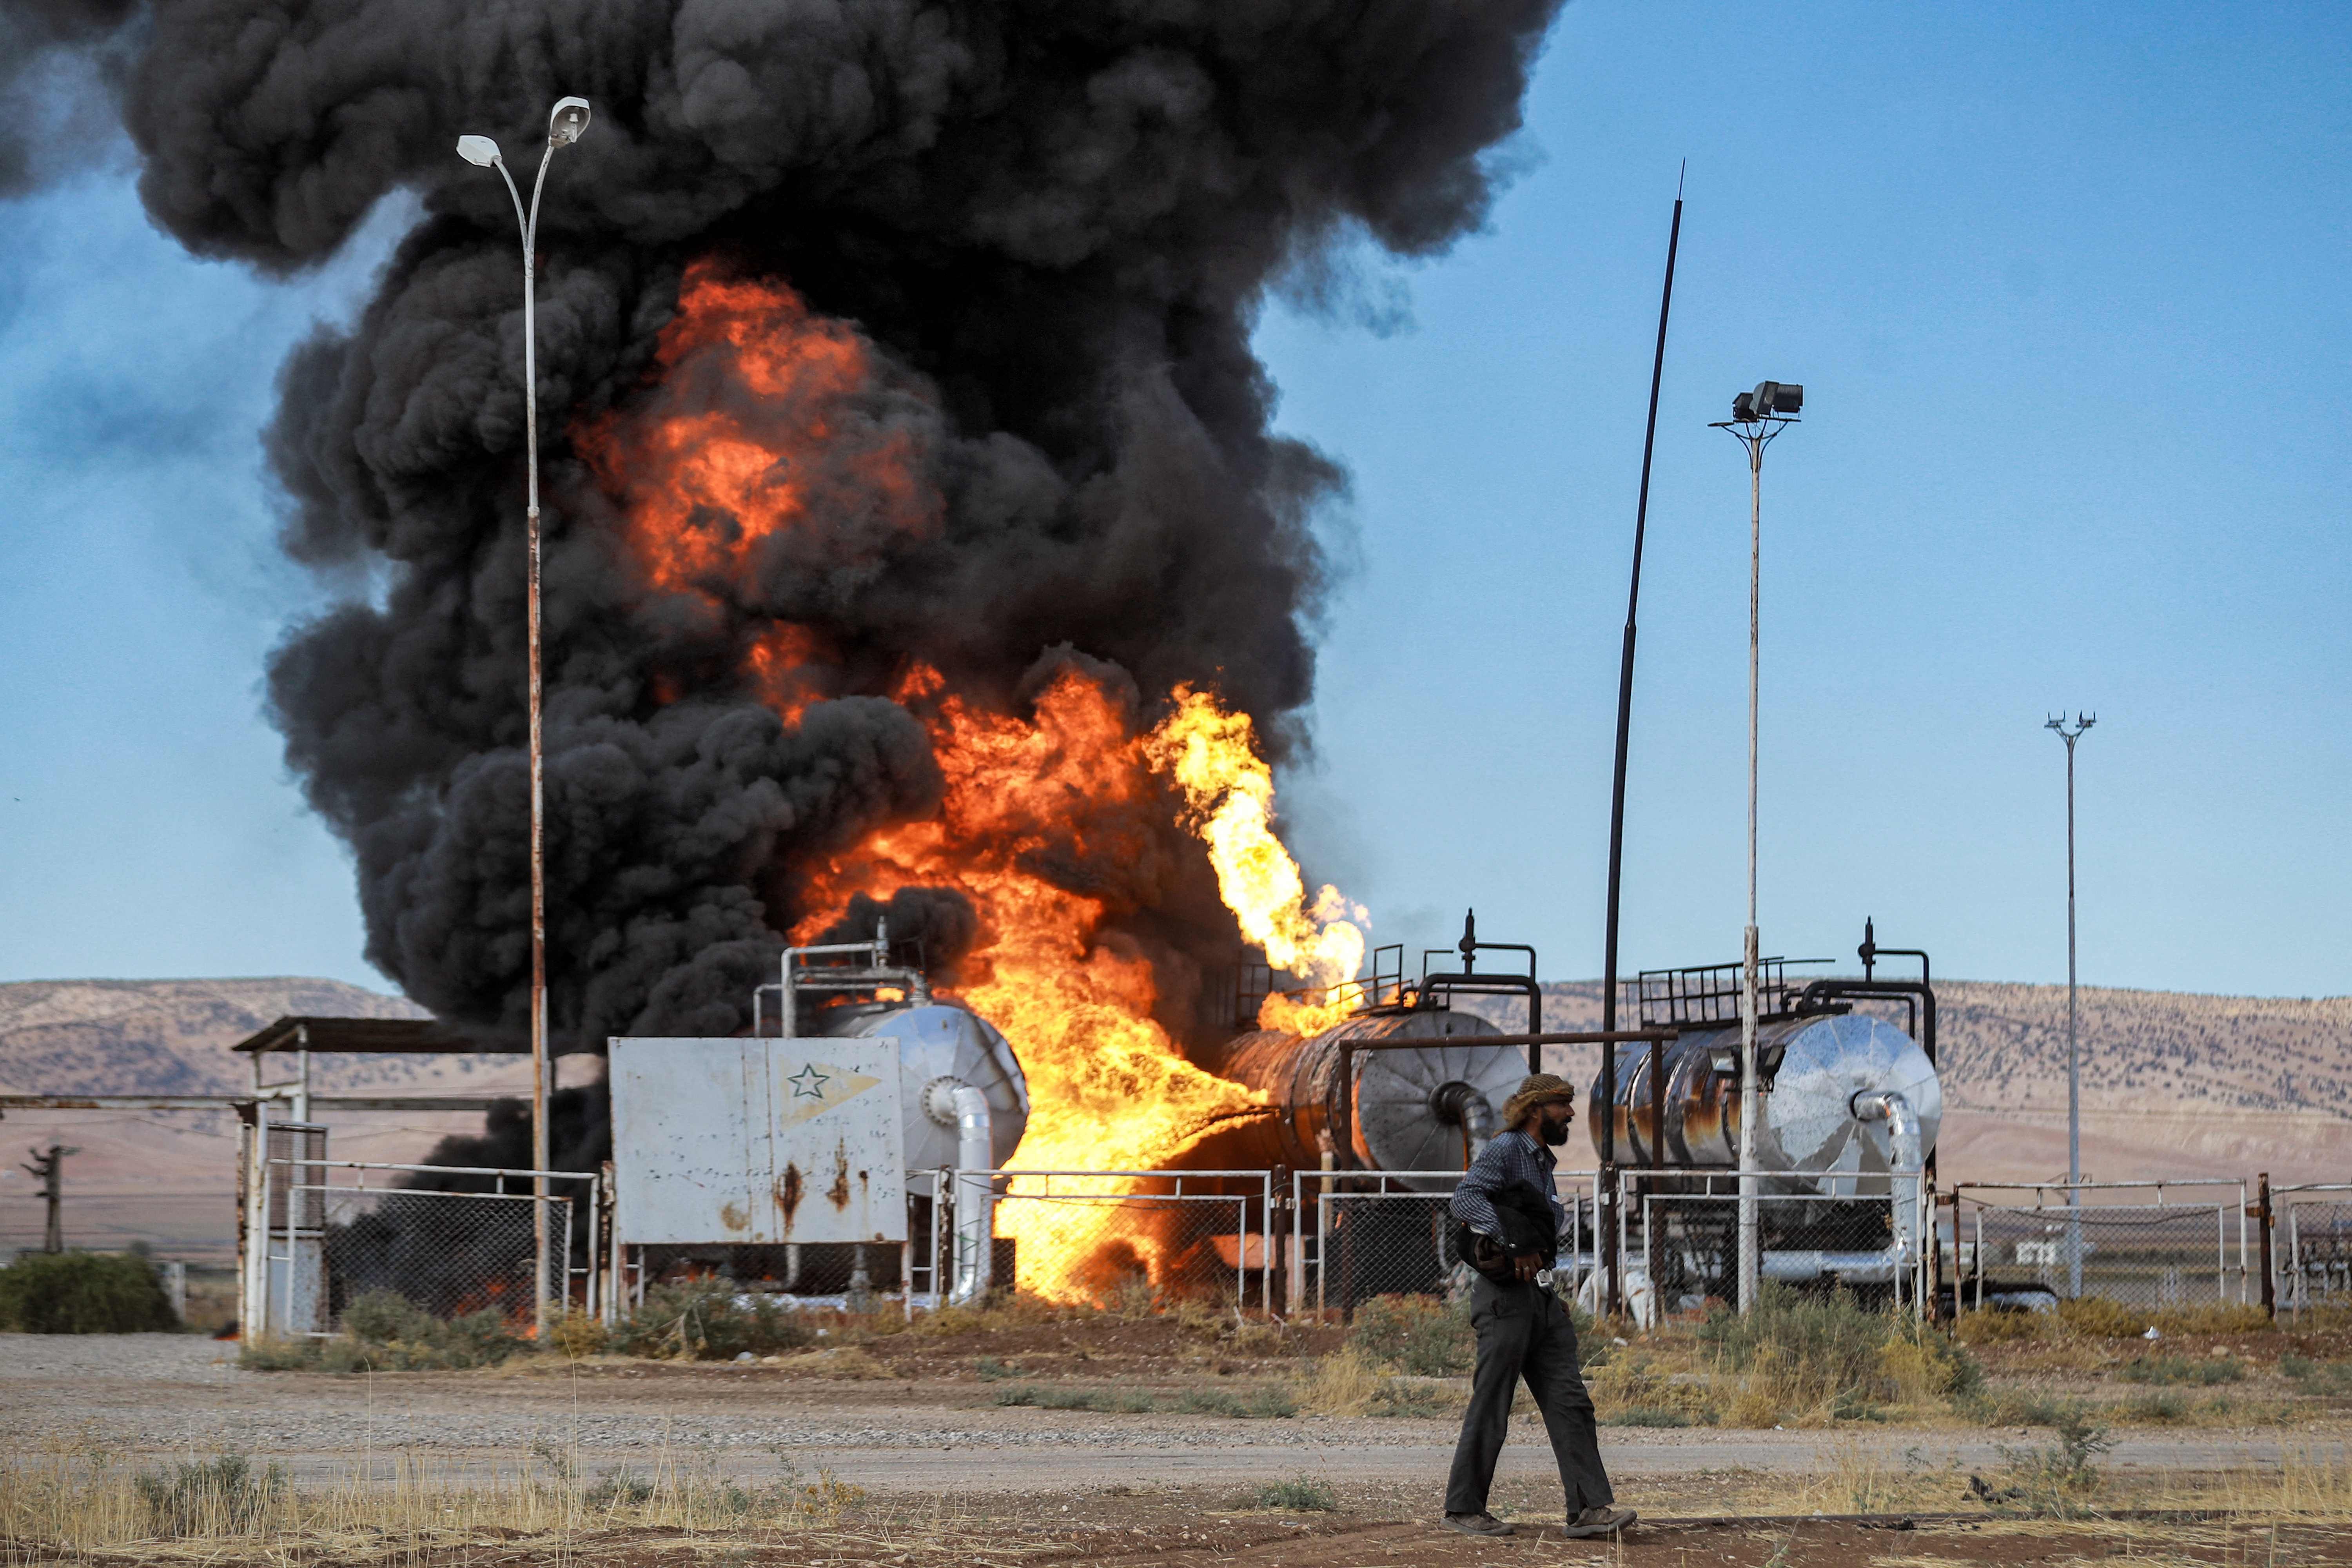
566	121
1771	400
477	150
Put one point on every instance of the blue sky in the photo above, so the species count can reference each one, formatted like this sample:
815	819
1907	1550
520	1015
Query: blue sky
2064	284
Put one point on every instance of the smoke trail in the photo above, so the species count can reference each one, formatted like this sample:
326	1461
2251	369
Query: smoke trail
1036	238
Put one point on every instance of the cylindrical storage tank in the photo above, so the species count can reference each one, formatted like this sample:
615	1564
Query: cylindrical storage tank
1809	1124
942	1048
1411	1109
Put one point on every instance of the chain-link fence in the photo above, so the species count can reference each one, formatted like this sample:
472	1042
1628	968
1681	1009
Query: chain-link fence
1357	1235
2312	1245
1111	1238
453	1240
1679	1237
2141	1244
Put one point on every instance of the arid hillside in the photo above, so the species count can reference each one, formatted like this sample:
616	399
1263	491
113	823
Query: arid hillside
168	1177
2174	1084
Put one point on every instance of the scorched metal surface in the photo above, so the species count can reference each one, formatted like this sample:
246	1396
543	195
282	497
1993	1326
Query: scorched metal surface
753	1140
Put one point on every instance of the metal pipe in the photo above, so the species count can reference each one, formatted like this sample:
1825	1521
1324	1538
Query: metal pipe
975	1209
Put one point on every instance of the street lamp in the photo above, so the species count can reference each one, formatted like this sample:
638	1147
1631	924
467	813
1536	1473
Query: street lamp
565	124
1756	418
2074	1056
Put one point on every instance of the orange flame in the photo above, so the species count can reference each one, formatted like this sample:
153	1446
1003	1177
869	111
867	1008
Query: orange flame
1108	1089
762	437
1212	754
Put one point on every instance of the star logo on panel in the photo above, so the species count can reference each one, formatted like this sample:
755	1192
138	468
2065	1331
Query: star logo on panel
808	1083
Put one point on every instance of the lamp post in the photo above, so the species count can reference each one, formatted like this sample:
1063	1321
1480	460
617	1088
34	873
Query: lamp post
1756	418
2073	1055
565	121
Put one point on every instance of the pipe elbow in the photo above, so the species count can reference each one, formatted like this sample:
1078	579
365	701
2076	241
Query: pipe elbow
1901	1123
974	1131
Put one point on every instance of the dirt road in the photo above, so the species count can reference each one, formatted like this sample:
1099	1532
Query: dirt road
167	1394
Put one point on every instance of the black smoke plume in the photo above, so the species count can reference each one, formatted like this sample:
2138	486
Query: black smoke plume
1052	225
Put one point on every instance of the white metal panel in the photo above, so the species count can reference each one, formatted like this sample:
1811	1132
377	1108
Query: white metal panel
751	1140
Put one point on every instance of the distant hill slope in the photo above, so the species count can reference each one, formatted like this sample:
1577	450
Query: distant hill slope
2004	1046
168	1036
2175	1085
166	1176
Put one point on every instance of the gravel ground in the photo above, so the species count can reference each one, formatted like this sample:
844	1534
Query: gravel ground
165	1393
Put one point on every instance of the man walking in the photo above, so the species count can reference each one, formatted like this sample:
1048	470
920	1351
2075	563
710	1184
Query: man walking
1509	1221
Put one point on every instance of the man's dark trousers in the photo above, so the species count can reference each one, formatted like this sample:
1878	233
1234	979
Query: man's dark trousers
1524	1331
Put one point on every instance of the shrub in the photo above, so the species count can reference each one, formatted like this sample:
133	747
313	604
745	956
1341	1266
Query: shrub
2054	1479
1256	1404
383	1331
1297	1496
275	1353
222	1496
2319	1377
2001	1325
2169	1369
2097	1318
1812	1352
1636	1382
1648	1415
1414	1334
708	1320
1259	1404
84	1293
577	1334
1926	1365
2160	1405
618	1488
2216	1317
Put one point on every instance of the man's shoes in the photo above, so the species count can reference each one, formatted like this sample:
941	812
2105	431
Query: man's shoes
1479	1524
1607	1520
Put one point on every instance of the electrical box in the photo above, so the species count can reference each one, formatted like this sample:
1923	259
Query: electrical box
757	1140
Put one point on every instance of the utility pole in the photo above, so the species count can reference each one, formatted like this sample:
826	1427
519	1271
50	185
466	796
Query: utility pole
1756	418
49	1170
2074	1050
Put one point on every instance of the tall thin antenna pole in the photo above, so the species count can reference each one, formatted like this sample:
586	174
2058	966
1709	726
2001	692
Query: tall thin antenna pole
2073	1052
1608	1106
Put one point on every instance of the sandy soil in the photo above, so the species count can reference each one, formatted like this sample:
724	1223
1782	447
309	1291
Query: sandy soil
948	1477
173	1394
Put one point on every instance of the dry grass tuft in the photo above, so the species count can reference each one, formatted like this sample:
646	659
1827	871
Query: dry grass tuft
1342	1385
75	1499
841	1361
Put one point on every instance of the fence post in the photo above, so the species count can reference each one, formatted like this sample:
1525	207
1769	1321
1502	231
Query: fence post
2270	1286
1266	1257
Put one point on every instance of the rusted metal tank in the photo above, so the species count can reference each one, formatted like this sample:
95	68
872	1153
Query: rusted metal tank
1815	1071
1421	1109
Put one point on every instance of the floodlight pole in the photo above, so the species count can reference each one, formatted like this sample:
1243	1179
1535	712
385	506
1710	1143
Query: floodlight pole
564	126
1755	434
2073	1054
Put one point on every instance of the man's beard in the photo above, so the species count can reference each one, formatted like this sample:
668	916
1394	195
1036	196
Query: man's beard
1555	1133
